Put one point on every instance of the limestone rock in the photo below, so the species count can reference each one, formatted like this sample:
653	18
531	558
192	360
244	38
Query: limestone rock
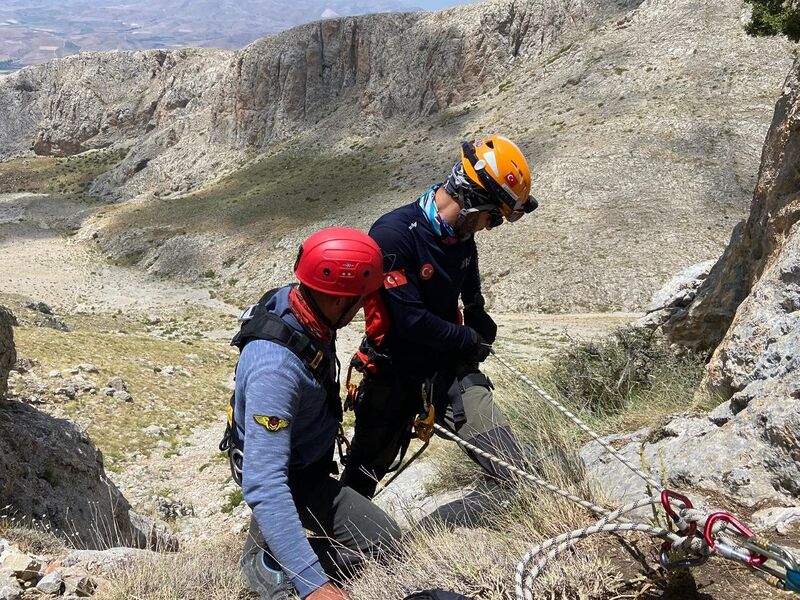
52	583
677	293
753	253
20	565
8	354
50	471
10	591
118	384
104	562
751	457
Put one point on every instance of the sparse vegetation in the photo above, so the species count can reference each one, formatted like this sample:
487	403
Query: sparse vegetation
235	498
171	401
631	367
71	175
207	571
773	17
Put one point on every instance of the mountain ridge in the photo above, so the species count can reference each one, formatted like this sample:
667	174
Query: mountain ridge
643	122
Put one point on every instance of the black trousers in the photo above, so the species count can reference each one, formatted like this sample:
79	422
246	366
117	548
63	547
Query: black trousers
344	526
388	404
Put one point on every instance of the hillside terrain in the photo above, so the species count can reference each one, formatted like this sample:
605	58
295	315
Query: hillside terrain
35	31
145	196
642	120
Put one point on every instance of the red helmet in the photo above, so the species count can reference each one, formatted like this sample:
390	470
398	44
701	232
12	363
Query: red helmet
340	261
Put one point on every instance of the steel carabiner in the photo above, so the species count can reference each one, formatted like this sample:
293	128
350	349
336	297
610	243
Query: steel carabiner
669	565
676	518
725	549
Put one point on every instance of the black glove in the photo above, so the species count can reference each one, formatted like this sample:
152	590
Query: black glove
478	351
479	320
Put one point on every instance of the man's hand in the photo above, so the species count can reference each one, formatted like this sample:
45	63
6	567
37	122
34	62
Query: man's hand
328	592
479	351
480	321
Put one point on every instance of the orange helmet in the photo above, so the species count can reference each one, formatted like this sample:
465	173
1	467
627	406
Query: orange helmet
495	164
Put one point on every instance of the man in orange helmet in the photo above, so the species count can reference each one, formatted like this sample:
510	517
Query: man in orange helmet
283	423
417	344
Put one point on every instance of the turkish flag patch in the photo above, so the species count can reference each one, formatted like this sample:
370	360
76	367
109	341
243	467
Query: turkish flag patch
426	271
394	279
511	180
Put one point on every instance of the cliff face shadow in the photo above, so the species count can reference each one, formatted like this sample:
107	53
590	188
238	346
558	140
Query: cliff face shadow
52	476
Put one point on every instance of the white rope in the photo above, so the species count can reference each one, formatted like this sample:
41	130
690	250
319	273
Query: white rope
575	419
595	508
523	585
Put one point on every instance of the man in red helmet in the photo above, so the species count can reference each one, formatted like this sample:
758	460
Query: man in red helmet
284	419
417	347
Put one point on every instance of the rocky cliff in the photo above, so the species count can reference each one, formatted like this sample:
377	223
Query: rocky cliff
175	107
748	448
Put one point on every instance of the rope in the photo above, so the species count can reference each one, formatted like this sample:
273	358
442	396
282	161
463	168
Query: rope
697	545
595	508
566	540
583	426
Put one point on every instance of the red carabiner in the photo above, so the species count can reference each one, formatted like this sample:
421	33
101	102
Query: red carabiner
729	519
665	497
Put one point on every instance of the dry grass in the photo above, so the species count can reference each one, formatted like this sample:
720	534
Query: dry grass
36	539
203	572
175	402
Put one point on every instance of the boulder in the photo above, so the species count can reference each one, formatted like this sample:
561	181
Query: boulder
678	293
50	472
8	354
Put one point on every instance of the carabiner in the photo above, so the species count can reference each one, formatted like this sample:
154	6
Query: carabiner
665	501
754	560
664	561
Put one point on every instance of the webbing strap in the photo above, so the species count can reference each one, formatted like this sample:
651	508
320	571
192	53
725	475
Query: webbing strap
267	326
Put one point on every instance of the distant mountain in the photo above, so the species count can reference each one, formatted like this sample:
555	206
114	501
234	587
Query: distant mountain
34	31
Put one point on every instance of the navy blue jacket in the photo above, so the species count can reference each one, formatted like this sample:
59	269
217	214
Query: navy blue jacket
425	277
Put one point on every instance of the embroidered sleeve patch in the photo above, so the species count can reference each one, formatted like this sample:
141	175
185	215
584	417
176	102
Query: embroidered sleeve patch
271	423
394	279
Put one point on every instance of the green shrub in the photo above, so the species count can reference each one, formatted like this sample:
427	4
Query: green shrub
606	377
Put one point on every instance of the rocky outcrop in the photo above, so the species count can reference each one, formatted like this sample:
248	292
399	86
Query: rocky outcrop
8	354
678	293
749	265
752	456
52	475
748	448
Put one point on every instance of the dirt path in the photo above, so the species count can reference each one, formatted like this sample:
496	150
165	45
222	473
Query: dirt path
39	261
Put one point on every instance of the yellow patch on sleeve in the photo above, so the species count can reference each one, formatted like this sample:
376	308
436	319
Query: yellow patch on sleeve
271	423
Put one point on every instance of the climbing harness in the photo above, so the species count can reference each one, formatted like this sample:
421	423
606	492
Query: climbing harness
422	429
698	536
257	323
